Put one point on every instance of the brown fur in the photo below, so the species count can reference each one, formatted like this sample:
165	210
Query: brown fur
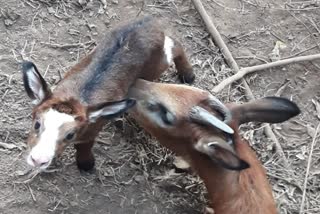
80	65
69	106
247	191
140	56
72	107
243	192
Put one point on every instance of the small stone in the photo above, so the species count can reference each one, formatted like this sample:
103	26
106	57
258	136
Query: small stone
139	178
51	10
209	210
8	22
82	2
101	10
108	173
301	156
180	163
20	173
107	22
133	166
74	204
291	37
118	123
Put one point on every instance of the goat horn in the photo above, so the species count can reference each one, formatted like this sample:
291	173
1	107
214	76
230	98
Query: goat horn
217	105
202	116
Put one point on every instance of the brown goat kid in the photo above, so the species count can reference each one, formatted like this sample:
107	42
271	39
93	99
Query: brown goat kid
184	120
95	89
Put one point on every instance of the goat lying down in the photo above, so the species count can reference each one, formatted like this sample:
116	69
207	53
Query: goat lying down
188	121
95	89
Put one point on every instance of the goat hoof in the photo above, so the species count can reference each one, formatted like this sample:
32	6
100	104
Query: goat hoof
187	78
85	165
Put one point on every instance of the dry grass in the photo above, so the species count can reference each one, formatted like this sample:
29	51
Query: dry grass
134	174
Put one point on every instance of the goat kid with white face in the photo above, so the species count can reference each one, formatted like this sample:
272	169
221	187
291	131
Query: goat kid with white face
59	121
188	121
95	89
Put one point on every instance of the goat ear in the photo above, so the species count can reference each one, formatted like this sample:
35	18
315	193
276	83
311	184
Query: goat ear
34	84
109	110
222	154
268	109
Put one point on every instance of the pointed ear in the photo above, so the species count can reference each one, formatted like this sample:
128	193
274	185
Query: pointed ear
222	154
34	84
268	110
109	110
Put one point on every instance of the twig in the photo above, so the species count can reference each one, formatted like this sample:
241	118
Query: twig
252	57
7	137
220	43
45	73
247	70
300	52
281	89
9	146
311	34
276	36
141	8
66	46
215	35
31	192
56	206
31	176
268	131
232	63
308	170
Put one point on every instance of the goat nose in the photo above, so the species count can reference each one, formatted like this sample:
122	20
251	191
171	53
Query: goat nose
39	161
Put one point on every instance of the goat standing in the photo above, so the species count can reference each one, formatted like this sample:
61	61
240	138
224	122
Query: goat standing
95	89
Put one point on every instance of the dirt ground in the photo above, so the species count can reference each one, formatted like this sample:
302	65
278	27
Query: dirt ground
133	173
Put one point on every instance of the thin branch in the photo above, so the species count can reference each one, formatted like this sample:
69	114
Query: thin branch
270	134
247	70
233	64
66	46
220	43
300	52
31	192
215	35
9	146
308	170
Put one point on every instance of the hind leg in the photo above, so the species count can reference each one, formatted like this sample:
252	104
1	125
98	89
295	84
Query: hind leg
184	68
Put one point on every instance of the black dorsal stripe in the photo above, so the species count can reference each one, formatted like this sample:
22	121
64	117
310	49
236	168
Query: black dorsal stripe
103	63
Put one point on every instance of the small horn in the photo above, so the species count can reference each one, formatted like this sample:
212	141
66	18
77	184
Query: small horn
217	105
202	116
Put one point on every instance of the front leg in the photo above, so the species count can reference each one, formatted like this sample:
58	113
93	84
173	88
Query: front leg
84	156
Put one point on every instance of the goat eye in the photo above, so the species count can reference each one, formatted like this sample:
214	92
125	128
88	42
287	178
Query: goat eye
70	136
36	125
212	144
153	106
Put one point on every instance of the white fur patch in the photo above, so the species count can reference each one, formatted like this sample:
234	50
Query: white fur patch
167	48
35	85
45	149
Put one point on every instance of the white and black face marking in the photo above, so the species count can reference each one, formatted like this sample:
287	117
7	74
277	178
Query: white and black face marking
157	113
42	154
168	48
54	129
